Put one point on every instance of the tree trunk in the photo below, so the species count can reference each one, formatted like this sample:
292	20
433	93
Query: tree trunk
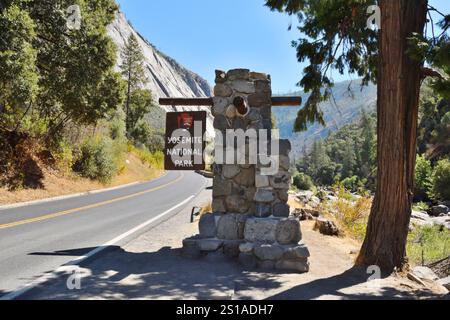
127	108
399	80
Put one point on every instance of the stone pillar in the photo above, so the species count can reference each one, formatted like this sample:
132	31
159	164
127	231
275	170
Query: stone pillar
250	218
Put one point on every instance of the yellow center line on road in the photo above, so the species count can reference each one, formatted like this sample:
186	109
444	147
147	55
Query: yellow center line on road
95	205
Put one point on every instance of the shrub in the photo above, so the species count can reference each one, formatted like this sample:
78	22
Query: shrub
63	156
353	216
96	159
154	159
423	178
303	181
441	181
428	244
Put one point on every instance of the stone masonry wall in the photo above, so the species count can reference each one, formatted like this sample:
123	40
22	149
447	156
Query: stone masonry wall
250	219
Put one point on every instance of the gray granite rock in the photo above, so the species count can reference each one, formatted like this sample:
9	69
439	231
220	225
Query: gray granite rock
243	86
246	177
261	181
268	252
236	74
263	210
288	231
296	252
209	245
207	226
260	230
264	195
222	90
281	210
246	247
230	171
301	266
236	203
220	105
221	187
218	205
282	180
231	227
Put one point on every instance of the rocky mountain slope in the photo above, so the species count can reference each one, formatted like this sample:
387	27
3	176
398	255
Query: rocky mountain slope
345	107
167	78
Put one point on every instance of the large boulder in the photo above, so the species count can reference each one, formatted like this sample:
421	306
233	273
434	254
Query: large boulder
326	227
304	196
439	210
424	273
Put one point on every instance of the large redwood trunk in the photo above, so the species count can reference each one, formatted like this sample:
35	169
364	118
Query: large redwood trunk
399	81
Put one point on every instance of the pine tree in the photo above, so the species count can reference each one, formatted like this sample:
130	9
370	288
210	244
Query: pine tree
133	71
336	37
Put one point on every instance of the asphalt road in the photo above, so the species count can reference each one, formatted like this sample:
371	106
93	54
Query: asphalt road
39	238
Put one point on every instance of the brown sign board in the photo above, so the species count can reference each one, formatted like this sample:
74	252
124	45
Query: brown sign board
184	141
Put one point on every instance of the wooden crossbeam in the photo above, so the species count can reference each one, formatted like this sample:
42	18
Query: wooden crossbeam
208	102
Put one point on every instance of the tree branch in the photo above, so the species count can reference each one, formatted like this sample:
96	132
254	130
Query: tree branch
428	72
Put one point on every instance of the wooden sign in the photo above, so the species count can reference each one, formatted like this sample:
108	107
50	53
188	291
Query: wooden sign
185	143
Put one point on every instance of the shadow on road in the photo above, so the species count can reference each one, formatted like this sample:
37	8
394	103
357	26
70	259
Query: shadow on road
163	274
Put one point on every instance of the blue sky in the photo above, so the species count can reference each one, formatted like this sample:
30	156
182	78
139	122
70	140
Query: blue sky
204	35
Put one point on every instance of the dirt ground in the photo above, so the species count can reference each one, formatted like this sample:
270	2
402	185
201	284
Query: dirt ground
56	184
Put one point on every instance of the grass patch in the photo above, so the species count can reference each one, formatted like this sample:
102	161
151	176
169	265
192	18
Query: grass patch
421	206
428	244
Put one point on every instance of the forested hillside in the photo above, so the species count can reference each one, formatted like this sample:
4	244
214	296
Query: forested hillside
344	107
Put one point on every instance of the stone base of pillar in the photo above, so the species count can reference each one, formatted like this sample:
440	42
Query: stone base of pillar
270	243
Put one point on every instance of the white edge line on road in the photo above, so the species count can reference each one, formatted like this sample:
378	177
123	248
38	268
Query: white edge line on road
66	267
75	195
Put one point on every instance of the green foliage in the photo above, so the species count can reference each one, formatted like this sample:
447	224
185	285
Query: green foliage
441	180
96	159
434	126
154	159
423	178
18	74
63	155
117	130
346	155
335	36
303	181
428	244
421	206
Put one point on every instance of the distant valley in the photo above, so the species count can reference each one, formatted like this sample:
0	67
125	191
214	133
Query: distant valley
349	99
